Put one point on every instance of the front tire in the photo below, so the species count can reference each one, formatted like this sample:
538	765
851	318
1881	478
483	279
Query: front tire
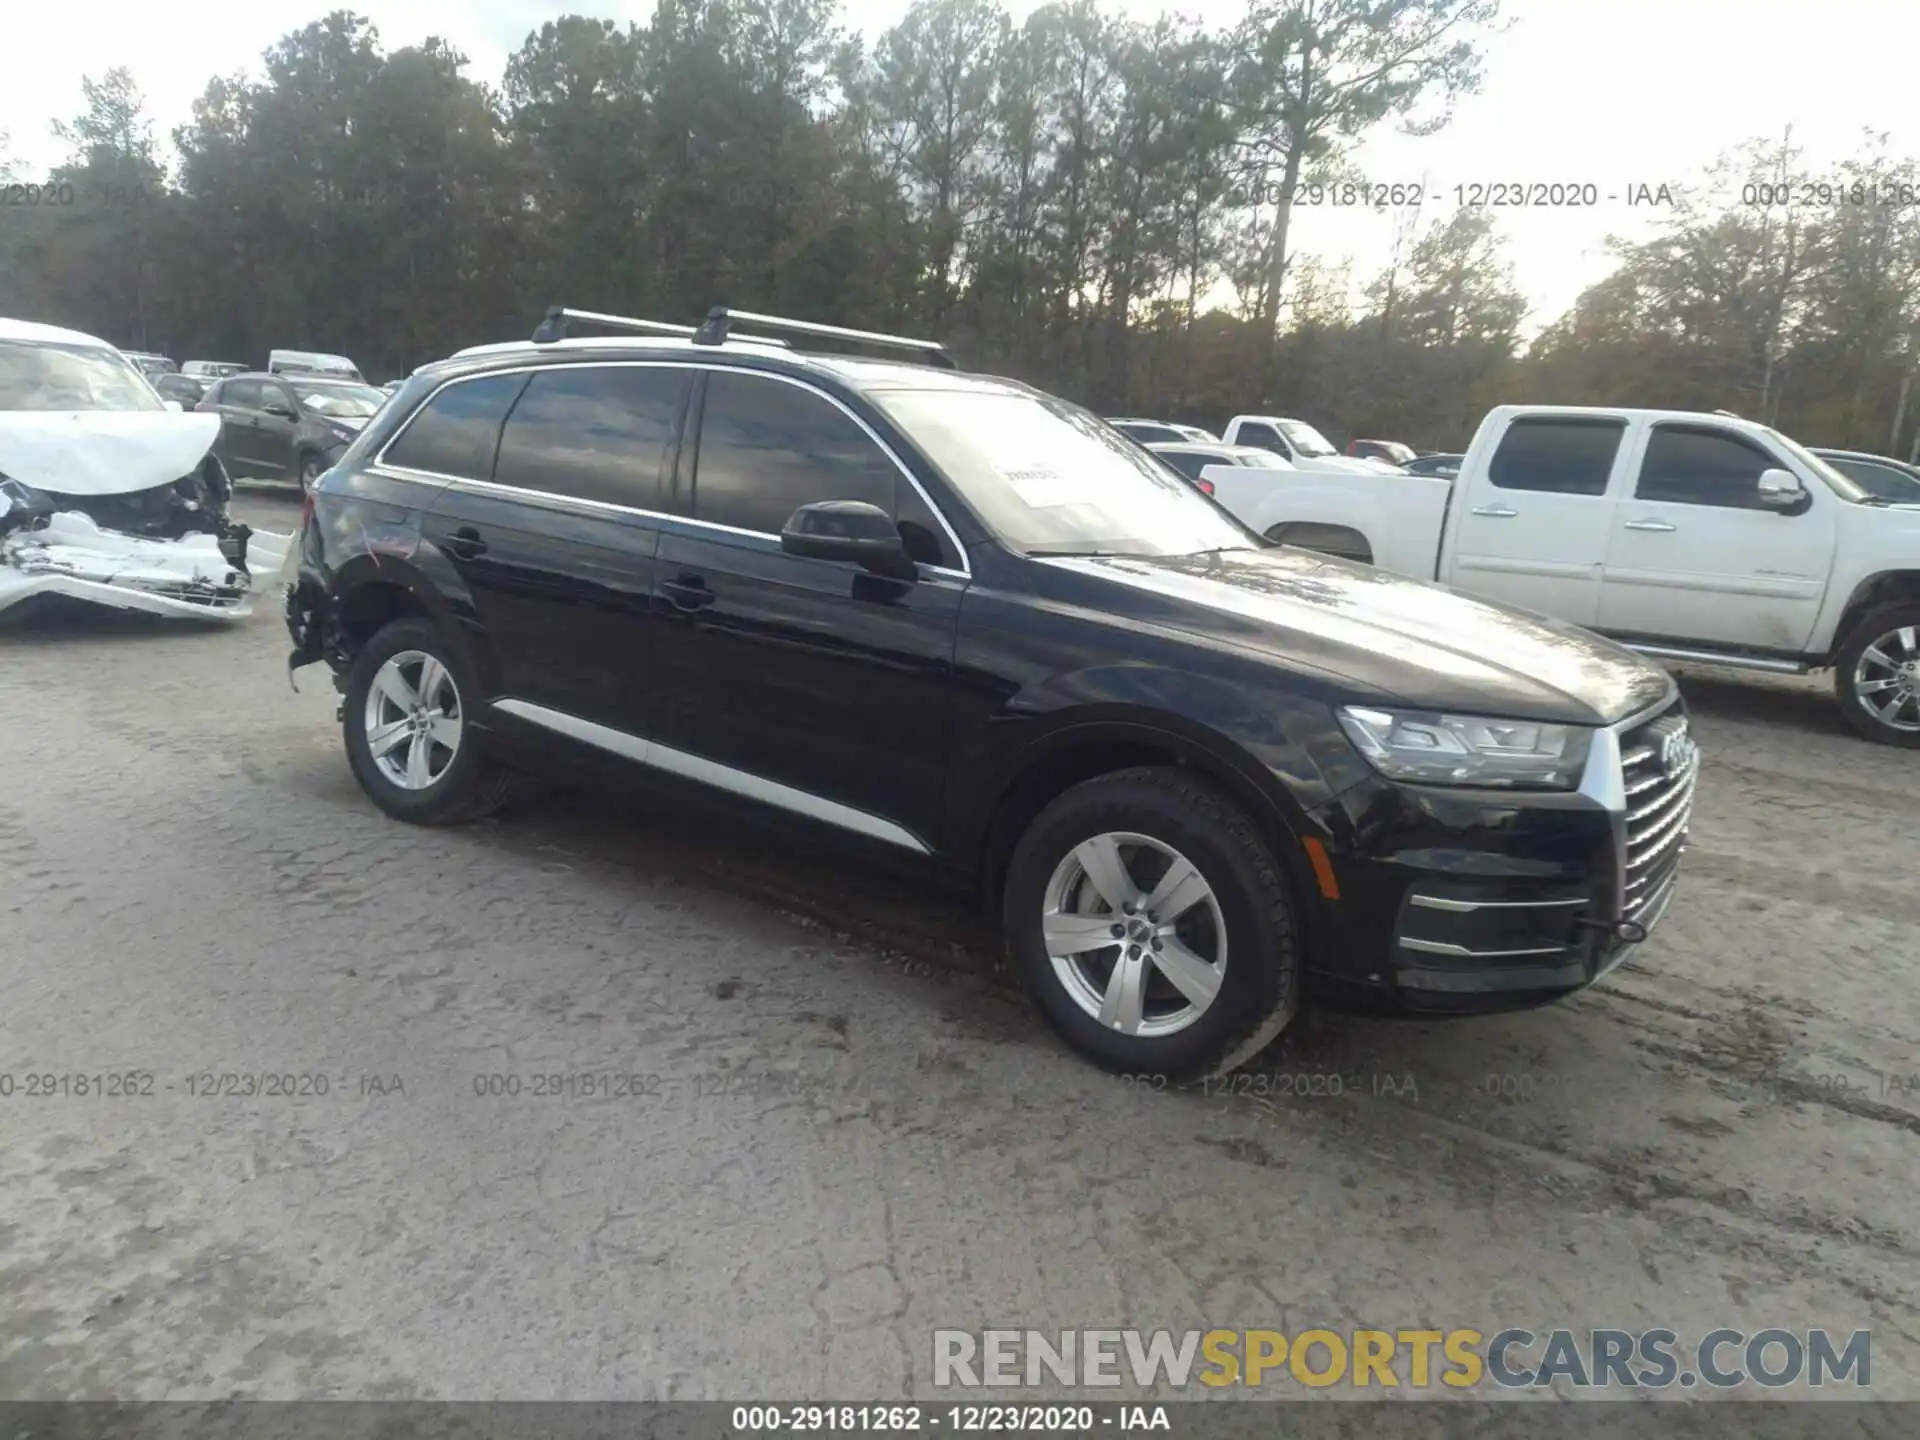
310	472
407	722
1204	972
1876	676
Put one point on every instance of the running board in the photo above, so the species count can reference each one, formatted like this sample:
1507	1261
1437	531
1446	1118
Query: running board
1715	657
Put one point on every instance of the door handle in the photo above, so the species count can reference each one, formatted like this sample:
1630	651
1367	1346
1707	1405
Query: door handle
466	543
1649	525
1495	512
689	592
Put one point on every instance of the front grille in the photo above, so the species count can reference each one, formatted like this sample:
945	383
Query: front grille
1658	764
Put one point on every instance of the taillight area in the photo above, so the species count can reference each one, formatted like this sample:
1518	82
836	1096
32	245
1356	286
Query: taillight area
1206	486
306	509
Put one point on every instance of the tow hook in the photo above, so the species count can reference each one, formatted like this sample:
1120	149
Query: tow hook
1627	932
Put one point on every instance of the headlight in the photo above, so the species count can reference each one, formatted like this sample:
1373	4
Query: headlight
1467	749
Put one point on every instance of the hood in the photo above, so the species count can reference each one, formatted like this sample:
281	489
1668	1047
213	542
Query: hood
1400	639
103	452
353	423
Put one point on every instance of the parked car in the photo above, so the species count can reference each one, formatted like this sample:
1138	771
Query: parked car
313	362
1690	537
288	427
1191	457
1890	479
1446	465
183	390
1150	431
108	496
151	364
1390	452
207	371
1302	446
954	620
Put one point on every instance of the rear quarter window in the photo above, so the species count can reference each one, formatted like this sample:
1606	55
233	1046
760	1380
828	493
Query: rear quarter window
457	432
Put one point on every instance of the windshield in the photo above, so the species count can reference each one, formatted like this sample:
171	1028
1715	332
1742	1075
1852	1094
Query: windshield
342	402
36	376
1304	438
1050	478
1845	486
1880	478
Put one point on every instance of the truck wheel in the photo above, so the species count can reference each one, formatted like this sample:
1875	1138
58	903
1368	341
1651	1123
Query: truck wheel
1153	926
1877	676
407	724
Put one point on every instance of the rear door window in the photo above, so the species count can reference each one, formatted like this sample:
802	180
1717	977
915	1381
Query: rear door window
1562	455
594	432
457	431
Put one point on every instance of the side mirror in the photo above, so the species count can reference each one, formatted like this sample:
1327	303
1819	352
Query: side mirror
1780	489
849	530
280	410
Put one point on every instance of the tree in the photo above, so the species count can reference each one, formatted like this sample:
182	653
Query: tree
934	88
1311	76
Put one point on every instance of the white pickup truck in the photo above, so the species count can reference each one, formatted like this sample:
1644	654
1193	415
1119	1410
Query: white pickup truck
1689	537
1299	443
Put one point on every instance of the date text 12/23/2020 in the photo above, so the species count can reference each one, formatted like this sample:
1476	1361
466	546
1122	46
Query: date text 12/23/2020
1475	194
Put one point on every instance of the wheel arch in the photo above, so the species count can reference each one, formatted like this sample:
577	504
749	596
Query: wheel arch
1345	542
1085	749
1889	587
373	591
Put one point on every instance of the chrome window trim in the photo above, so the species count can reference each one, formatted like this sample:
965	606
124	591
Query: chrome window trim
547	497
379	460
711	772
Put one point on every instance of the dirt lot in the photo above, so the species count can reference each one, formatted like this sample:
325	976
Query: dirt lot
1723	1133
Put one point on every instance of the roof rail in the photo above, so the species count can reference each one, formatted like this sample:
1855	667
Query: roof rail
554	326
720	320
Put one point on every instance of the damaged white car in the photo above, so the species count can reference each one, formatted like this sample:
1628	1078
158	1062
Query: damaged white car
110	494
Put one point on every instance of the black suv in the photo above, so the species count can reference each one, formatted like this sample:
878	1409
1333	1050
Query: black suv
952	619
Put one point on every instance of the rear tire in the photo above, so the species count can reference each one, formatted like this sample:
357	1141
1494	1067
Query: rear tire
1215	976
1876	676
408	726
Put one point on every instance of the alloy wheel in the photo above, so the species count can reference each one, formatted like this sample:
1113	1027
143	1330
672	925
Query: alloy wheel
1886	679
1135	934
413	719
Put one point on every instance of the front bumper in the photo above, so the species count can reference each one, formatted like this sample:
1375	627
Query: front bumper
1456	900
198	577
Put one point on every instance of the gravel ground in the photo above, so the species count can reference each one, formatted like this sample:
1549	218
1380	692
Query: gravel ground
1722	1133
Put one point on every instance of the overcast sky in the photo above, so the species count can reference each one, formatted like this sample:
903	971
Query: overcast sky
1615	93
